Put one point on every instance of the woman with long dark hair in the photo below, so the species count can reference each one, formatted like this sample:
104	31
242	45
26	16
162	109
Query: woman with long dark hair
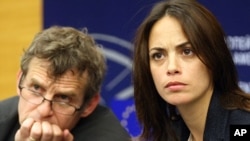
185	80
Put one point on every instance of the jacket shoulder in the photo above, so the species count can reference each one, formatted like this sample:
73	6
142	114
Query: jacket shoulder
8	107
239	117
101	125
8	118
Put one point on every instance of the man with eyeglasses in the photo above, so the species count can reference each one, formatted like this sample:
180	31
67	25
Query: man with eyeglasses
58	87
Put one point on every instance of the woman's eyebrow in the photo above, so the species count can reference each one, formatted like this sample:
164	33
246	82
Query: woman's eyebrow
184	44
156	48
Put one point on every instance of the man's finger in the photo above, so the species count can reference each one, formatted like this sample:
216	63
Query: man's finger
67	135
26	127
57	132
36	131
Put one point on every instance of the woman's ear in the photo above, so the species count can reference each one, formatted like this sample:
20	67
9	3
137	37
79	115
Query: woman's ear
19	77
90	107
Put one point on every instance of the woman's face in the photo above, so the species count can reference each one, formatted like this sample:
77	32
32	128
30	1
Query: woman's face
179	75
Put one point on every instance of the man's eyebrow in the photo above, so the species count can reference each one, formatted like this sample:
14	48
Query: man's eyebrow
35	81
68	93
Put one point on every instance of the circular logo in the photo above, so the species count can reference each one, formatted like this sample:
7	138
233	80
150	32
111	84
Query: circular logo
117	89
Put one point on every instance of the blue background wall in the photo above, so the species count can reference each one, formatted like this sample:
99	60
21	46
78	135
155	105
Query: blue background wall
113	24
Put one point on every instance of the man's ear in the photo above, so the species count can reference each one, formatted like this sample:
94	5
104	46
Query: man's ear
19	77
90	107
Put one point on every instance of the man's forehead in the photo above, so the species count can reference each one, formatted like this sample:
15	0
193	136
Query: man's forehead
45	64
44	67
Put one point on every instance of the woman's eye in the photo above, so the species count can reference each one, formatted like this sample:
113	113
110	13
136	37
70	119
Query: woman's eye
187	51
157	56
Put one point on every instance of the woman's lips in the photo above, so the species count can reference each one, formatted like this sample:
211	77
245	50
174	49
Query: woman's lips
175	86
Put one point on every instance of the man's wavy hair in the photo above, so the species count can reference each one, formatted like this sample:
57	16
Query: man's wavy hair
66	48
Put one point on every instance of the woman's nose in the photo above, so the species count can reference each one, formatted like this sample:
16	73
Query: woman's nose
172	65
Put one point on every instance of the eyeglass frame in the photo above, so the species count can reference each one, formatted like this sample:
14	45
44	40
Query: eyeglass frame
51	101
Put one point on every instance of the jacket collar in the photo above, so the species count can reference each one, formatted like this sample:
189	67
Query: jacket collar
217	119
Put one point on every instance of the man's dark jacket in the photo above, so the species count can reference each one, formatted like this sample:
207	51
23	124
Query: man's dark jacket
218	121
101	125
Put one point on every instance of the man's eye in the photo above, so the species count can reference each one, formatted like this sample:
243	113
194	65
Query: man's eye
35	88
62	98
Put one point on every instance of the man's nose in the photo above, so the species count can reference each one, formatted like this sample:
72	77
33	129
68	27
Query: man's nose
45	108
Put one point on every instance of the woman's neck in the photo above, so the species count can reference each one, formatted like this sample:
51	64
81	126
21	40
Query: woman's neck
194	115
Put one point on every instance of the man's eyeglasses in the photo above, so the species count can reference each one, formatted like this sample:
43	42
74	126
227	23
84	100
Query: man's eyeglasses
57	106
